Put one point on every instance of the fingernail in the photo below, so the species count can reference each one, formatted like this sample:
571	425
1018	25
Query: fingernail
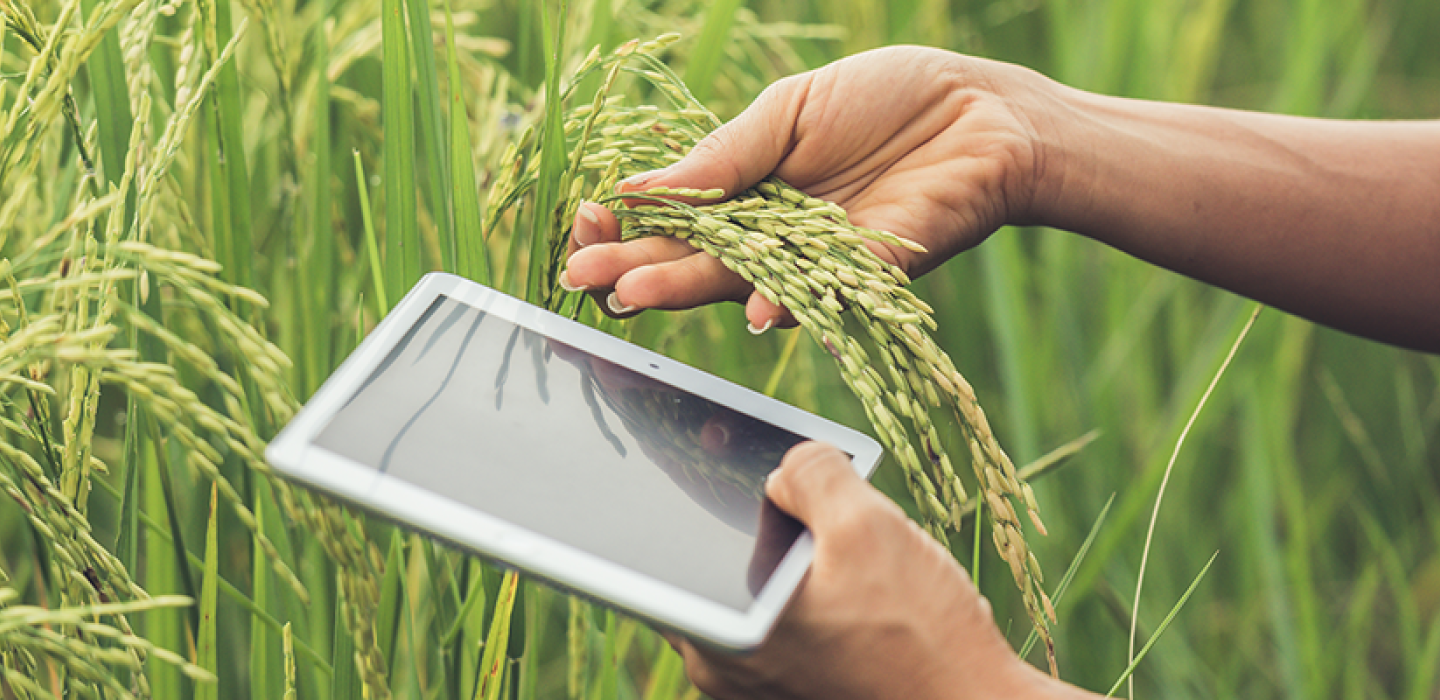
587	227
613	301
567	286
588	215
757	331
639	179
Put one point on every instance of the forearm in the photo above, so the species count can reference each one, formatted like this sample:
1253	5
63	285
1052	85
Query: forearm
1335	221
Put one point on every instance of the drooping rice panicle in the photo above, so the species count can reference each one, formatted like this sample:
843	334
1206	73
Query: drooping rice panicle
94	652
804	254
61	311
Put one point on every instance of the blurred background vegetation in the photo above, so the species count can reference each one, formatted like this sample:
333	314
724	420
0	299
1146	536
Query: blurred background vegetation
1312	471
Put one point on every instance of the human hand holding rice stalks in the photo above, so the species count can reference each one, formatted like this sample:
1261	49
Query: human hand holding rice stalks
803	254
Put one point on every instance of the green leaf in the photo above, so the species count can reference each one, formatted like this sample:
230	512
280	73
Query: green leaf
205	638
392	598
230	161
667	675
317	264
112	101
619	632
492	662
345	684
172	511
264	675
372	246
472	259
402	230
1075	562
431	129
709	51
1163	625
543	237
162	574
161	539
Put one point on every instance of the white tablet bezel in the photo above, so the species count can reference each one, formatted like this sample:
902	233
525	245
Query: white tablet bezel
295	455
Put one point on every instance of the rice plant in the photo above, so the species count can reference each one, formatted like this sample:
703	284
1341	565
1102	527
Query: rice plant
203	207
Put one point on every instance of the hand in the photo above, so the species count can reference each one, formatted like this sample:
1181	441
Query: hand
927	144
884	613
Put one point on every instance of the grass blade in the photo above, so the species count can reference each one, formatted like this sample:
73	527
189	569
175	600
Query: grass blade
786	354
471	258
392	599
1070	572
345	684
619	632
667	675
402	230
1047	463
1169	467
163	574
127	525
264	676
163	540
552	164
318	264
112	101
709	49
430	130
372	247
230	116
492	662
177	532
1422	683
473	598
1129	670
538	602
205	641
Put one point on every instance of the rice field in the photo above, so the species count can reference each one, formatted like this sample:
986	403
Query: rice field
204	206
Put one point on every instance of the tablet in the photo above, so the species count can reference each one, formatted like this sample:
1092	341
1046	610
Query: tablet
565	452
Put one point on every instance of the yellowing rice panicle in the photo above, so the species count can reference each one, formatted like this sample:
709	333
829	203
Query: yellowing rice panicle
804	254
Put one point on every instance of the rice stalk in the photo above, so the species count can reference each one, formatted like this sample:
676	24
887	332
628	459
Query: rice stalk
28	634
358	568
289	652
804	254
59	333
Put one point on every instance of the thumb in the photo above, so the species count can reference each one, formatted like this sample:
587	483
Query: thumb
742	151
816	484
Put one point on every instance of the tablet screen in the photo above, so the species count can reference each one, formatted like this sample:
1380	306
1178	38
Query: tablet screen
502	419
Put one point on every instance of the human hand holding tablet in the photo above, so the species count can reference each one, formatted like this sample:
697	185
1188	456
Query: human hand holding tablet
567	453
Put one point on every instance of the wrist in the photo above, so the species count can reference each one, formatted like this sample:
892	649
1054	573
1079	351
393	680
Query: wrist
1048	118
1068	139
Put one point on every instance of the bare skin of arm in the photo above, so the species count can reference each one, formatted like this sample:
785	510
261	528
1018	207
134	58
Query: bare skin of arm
1335	221
1338	222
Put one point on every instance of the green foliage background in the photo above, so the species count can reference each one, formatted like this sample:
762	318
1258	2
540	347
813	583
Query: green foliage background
1312	471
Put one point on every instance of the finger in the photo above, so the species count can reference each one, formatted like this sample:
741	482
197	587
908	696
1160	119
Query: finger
816	484
763	314
741	152
600	266
683	283
653	273
593	224
774	537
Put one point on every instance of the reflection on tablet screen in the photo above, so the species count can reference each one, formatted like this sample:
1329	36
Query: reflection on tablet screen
492	415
